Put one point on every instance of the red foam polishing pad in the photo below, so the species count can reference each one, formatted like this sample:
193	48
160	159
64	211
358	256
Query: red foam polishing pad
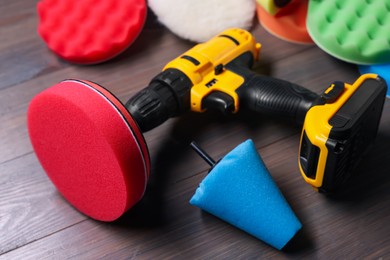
90	147
89	31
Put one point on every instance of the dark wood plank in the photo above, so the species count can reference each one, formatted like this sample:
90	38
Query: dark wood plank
30	206
22	52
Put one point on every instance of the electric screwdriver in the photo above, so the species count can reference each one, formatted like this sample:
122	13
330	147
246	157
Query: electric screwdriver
92	148
338	125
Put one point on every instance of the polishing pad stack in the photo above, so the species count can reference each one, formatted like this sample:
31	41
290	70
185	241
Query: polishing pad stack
240	191
286	21
90	147
88	31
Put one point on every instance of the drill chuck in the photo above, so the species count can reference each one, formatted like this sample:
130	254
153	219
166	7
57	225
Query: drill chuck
167	95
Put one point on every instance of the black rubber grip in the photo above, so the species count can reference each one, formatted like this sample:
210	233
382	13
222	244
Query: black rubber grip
276	97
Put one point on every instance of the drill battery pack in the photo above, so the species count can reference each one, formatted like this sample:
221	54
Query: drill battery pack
337	133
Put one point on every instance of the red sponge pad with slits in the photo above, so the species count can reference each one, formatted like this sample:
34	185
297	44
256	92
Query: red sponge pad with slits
89	31
90	147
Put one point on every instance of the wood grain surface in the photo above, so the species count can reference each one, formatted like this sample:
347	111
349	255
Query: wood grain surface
36	222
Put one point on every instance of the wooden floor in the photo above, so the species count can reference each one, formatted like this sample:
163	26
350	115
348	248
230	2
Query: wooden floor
36	222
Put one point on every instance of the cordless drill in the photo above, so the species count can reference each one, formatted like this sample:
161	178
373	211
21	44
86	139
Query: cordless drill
92	148
338	125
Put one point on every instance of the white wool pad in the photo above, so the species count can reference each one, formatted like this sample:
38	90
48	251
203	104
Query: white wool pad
200	20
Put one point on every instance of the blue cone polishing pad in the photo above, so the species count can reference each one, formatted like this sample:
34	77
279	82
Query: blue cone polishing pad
382	70
240	191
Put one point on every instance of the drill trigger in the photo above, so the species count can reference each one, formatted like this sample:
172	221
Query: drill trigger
219	101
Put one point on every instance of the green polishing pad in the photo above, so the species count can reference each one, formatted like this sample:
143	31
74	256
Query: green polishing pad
354	31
